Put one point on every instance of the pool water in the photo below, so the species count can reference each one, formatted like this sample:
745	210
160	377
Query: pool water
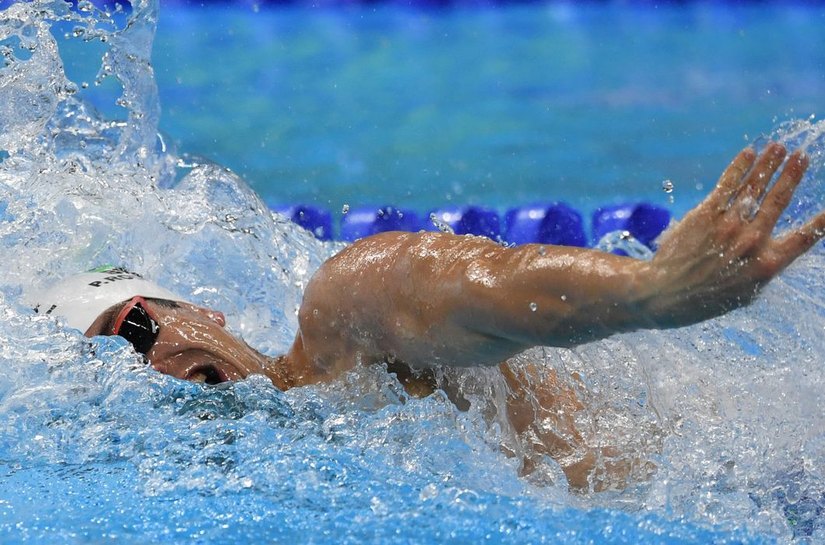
497	107
360	105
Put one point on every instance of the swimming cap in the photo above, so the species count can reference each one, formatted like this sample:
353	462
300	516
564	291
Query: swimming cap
81	298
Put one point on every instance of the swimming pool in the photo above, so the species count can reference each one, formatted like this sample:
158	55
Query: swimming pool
488	106
94	446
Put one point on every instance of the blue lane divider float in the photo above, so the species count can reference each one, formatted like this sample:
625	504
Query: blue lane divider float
644	221
315	220
363	222
555	223
467	220
546	224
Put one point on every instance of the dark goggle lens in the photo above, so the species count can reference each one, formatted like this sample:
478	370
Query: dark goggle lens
139	329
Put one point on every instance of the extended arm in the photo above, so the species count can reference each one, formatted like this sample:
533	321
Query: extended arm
432	298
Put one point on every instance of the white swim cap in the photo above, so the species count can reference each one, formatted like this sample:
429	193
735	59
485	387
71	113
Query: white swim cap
81	298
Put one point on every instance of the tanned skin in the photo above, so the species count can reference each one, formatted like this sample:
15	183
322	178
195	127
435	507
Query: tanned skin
419	300
437	299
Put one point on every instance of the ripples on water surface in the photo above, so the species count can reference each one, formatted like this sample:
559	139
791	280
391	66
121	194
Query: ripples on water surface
95	446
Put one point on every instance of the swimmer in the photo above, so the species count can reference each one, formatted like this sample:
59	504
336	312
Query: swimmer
418	300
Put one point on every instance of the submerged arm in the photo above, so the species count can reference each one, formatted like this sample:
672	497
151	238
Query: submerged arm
433	298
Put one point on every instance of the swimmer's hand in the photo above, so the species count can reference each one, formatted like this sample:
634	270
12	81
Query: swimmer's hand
720	255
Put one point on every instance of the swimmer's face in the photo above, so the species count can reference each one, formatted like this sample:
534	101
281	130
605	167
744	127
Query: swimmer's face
192	343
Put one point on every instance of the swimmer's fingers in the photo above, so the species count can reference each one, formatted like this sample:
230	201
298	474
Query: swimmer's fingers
731	180
800	241
762	172
780	194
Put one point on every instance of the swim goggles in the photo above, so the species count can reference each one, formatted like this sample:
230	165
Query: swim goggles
137	325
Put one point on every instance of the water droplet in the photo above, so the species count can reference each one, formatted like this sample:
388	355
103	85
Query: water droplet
533	306
440	225
345	209
667	187
625	242
542	250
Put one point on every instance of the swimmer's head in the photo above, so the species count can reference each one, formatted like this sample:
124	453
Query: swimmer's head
178	338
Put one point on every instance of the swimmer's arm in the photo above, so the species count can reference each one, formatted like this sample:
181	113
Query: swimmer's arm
716	259
439	299
432	298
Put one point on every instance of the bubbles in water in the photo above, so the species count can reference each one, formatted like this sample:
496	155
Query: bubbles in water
667	187
440	225
345	209
625	243
806	135
533	306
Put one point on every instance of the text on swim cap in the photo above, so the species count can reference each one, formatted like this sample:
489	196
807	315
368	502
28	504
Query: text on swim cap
119	274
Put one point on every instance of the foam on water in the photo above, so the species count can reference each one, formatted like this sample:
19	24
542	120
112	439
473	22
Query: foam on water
728	411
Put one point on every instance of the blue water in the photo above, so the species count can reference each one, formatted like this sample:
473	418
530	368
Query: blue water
498	107
493	106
